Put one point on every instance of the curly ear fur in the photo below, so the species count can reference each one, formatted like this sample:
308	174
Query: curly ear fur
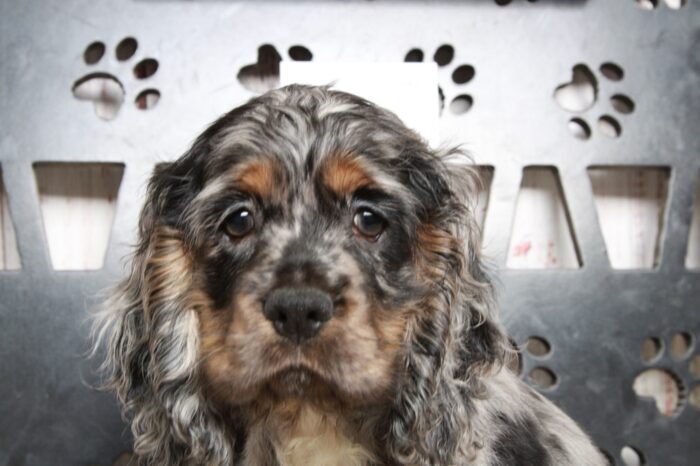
454	338
150	327
151	330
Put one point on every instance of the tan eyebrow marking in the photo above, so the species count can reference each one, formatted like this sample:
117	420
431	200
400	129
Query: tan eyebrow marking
262	177
345	175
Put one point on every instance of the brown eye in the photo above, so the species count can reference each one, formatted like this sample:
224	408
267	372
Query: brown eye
368	223
240	223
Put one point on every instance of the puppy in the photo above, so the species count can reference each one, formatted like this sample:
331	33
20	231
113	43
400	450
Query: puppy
308	290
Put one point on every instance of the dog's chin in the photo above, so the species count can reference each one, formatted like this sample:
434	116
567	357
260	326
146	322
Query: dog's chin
300	383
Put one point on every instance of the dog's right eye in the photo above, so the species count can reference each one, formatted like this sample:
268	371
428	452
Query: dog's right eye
240	223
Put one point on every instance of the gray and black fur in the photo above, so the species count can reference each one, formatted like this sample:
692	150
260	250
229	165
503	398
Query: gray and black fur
409	366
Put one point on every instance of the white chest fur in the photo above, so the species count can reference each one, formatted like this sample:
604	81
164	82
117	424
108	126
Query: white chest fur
315	439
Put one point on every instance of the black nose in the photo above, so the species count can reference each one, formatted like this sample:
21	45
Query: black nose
298	313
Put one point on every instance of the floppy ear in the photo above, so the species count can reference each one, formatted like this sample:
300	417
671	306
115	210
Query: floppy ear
483	343
454	338
150	326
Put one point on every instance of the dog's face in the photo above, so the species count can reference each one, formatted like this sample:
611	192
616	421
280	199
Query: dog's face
314	234
309	271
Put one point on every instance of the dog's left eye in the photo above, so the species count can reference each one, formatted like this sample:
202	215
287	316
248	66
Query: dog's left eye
240	223
368	223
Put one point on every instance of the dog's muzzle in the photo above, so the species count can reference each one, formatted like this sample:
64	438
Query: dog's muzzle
298	313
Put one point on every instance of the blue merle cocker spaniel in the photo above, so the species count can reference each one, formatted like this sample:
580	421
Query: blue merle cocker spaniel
308	290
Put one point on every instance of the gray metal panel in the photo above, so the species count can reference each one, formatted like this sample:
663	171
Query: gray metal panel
594	317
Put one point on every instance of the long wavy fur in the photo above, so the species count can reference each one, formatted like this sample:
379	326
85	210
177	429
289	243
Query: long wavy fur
455	340
150	329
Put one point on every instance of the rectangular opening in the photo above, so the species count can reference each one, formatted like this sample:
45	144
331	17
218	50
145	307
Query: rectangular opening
542	235
78	203
630	202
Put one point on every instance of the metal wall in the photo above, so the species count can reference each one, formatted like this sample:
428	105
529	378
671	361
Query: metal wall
595	318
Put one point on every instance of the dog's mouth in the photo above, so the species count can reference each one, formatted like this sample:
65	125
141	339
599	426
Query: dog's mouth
304	373
303	382
305	385
296	371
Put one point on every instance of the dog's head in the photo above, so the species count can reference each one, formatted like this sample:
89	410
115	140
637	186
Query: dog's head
307	247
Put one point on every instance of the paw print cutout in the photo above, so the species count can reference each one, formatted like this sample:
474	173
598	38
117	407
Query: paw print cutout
670	363
652	4
264	75
584	94
540	376
460	75
670	366
533	355
105	89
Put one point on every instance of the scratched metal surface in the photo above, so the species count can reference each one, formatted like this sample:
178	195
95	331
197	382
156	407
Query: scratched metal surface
594	317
